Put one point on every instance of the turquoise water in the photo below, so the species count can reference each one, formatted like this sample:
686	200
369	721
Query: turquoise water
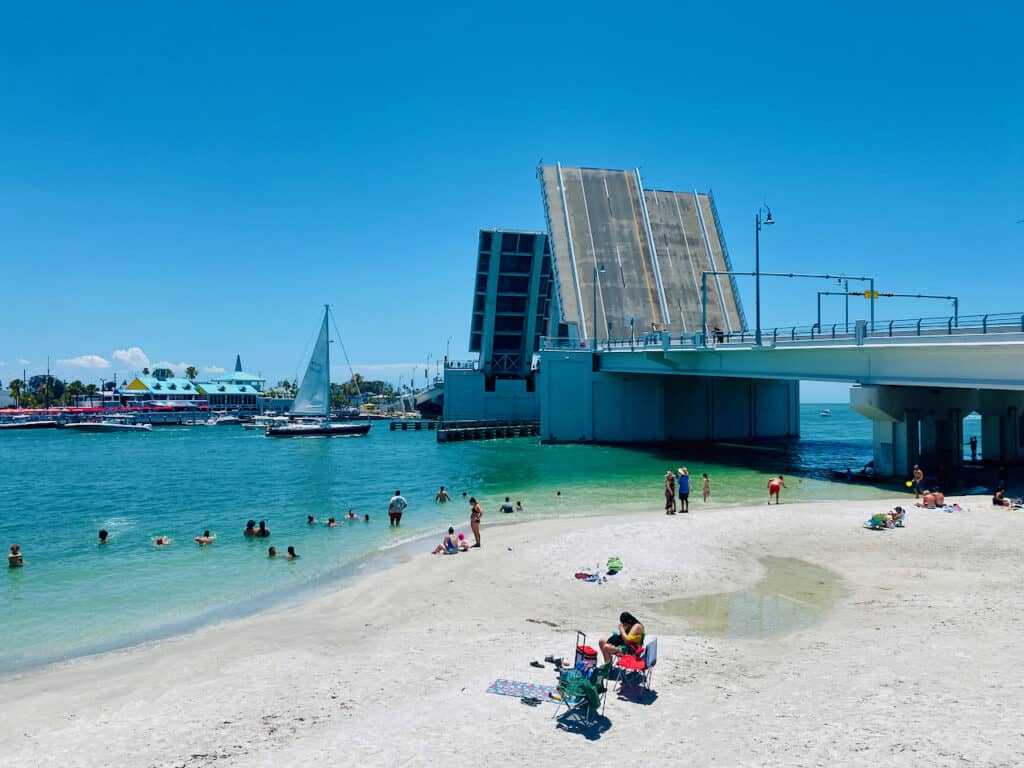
57	489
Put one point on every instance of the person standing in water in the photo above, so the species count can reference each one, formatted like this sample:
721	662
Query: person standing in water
442	496
707	487
775	486
683	484
15	559
396	507
476	513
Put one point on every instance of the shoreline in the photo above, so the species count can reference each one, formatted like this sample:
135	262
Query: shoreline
380	558
394	665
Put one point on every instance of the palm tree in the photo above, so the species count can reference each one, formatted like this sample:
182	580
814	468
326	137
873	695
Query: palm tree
145	371
73	390
191	373
15	387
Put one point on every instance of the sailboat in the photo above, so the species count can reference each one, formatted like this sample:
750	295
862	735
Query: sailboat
311	412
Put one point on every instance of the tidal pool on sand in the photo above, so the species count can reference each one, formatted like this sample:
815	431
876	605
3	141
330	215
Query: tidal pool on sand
792	595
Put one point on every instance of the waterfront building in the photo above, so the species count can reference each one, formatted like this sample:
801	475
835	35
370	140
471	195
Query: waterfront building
236	391
159	388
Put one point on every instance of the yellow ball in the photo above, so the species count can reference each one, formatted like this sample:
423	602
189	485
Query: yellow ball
909	483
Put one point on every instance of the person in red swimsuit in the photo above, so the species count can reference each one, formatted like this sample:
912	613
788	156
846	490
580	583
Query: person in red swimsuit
775	486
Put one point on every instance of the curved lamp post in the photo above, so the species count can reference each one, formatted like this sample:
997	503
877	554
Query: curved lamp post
757	267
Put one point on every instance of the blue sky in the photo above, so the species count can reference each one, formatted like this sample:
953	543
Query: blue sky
183	183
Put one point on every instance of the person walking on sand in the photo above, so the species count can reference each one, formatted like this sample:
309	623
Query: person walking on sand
396	506
917	480
683	484
476	512
706	487
775	486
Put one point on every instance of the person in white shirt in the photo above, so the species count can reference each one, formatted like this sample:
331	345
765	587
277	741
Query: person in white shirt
396	506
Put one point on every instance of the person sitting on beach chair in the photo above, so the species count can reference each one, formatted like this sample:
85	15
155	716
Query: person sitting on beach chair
629	638
897	517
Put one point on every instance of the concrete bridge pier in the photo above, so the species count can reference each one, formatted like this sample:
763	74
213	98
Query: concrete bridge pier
579	402
912	425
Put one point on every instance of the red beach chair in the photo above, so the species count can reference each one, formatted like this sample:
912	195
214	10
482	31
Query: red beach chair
640	663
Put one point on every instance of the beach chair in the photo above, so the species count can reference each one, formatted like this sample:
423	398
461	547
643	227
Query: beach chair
583	692
639	664
878	522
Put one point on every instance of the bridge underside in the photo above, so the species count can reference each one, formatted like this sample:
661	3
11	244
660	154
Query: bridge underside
917	425
579	404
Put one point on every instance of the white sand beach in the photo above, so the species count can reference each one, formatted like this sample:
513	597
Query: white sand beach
919	661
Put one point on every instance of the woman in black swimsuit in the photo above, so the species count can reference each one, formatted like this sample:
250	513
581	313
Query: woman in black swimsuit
476	512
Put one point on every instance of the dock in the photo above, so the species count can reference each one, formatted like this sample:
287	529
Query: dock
454	431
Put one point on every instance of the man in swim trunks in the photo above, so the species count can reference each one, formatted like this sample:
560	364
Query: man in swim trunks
775	486
683	484
396	506
442	496
507	506
917	479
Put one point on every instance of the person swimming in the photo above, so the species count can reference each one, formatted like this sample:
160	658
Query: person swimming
15	559
351	515
103	536
366	518
310	520
262	532
330	522
519	506
250	528
272	552
205	539
162	541
291	554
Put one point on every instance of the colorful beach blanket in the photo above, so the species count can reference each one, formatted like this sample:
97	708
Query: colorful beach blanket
521	689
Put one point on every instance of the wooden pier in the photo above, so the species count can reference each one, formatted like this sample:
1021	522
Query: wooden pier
454	431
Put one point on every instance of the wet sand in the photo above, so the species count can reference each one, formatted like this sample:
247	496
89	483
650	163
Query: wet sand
898	647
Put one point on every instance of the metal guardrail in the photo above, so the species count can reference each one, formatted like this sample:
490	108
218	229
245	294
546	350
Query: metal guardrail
970	325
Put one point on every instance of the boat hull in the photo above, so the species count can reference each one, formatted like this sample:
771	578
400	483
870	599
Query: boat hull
88	426
318	430
30	425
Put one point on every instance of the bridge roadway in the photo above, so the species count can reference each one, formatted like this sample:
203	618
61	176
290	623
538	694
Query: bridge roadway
971	357
916	381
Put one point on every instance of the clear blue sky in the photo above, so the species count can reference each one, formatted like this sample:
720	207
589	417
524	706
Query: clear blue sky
195	182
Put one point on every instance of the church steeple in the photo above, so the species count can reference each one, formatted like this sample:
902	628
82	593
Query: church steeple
238	363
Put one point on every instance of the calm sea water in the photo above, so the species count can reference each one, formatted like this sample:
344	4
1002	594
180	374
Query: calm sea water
58	488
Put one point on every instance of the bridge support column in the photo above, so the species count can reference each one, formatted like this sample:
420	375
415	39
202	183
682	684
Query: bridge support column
917	425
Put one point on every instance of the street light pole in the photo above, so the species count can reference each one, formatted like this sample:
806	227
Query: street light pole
757	268
598	268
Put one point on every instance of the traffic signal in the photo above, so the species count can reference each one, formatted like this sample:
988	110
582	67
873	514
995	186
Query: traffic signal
870	294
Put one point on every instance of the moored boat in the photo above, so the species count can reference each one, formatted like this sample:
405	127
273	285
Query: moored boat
310	414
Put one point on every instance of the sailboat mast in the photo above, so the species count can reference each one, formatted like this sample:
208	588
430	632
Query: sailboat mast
327	363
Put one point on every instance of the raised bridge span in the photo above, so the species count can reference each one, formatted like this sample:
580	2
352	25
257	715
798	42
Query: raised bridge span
914	379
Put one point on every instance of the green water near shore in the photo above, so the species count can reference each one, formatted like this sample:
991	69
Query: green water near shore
57	489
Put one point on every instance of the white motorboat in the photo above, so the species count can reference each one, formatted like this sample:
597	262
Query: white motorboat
826	412
262	422
311	411
225	420
109	424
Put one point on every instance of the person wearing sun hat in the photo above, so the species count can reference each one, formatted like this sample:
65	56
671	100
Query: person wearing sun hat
683	484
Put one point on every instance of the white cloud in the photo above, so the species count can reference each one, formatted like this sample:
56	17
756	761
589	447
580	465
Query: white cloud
2	363
133	356
398	367
213	369
86	361
23	361
177	368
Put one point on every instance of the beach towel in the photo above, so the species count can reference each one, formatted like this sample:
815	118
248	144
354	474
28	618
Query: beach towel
522	690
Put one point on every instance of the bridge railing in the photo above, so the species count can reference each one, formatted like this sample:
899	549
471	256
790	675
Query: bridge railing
996	322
